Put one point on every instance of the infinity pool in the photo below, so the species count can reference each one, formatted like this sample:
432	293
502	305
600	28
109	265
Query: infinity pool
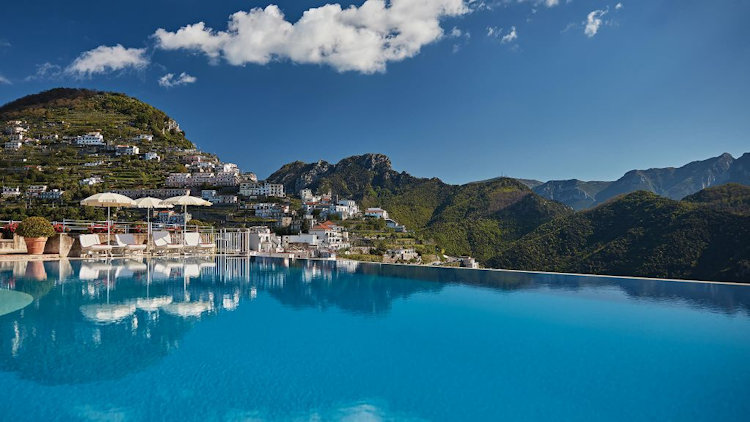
232	339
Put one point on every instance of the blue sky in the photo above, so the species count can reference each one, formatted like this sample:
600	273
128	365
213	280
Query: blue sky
458	89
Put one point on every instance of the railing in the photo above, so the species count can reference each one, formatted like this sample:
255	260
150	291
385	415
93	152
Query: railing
233	241
100	226
228	241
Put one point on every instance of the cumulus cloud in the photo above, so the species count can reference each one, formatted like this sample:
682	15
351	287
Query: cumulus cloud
618	6
4	80
593	22
169	80
105	59
510	36
363	39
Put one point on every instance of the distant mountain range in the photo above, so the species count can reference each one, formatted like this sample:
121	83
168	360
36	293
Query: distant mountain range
670	182
505	224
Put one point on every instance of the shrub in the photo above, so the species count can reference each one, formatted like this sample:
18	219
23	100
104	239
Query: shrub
35	227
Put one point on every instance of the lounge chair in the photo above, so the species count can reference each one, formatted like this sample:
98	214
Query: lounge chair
163	243
128	244
91	244
193	242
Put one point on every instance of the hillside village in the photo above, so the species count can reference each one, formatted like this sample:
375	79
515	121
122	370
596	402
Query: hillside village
64	145
305	223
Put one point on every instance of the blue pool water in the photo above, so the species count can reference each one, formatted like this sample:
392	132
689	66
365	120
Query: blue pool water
232	339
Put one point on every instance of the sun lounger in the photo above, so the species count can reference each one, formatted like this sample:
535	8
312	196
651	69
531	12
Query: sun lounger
194	243
91	244
163	242
128	244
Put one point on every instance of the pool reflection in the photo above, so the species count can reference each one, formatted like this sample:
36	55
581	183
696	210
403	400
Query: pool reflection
99	320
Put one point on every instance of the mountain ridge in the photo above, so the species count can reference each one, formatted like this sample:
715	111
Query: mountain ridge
671	182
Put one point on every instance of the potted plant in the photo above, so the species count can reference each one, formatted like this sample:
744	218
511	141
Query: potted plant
35	231
9	230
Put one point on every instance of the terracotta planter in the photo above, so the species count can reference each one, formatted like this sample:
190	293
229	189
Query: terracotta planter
35	270
35	245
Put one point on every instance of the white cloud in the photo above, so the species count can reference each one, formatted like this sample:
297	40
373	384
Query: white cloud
618	6
169	80
510	36
4	80
105	59
593	22
362	39
45	70
551	3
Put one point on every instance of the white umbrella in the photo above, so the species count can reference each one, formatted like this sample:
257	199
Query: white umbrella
150	203
106	313
109	200
186	200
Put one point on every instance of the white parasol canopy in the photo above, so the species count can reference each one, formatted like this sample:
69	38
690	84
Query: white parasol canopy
149	202
185	201
108	200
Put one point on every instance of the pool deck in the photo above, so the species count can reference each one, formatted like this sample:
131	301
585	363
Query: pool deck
25	257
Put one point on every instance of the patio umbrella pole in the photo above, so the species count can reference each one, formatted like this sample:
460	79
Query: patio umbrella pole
109	227
184	222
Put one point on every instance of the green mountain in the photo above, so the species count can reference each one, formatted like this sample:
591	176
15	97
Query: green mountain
732	197
643	234
477	218
72	112
53	118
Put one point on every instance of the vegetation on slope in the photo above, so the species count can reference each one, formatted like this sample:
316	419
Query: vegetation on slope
58	164
732	197
72	112
639	234
475	219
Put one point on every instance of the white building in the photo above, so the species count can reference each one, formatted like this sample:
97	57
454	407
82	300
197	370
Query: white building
126	150
11	192
331	236
13	145
376	212
143	137
270	210
35	190
306	195
178	179
151	156
262	189
262	240
92	138
53	194
307	240
227	178
16	137
345	208
91	181
230	168
53	137
155	193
